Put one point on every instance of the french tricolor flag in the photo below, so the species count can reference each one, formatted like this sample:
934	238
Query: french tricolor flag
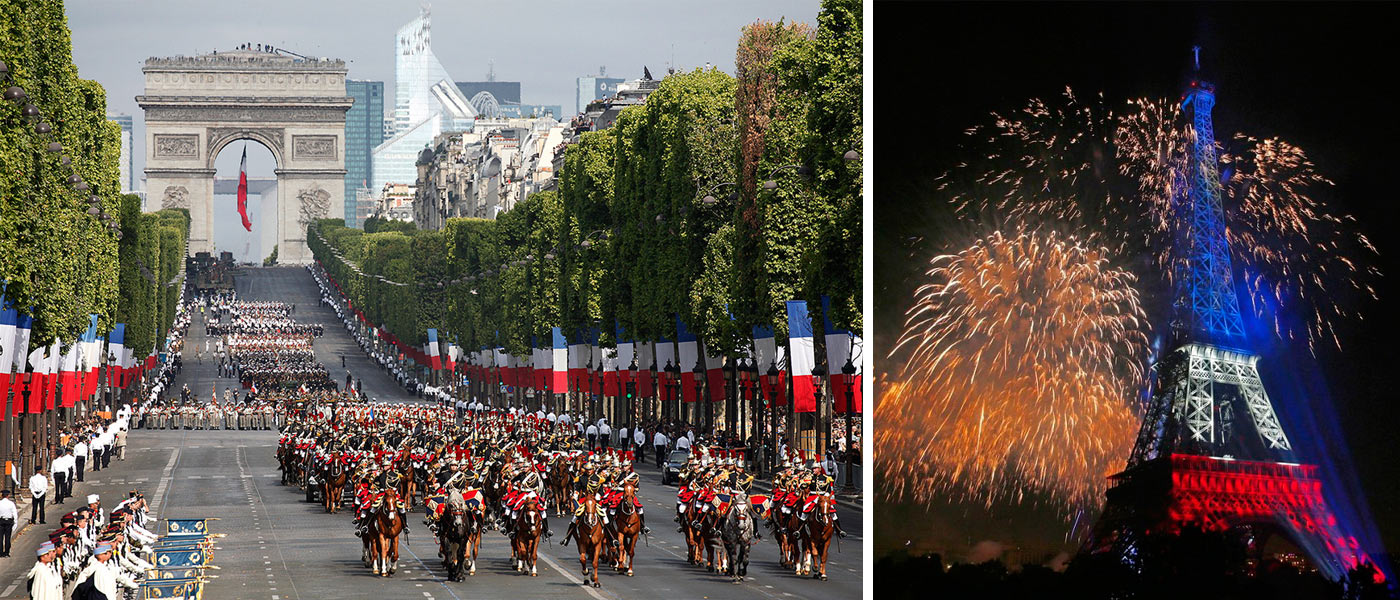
577	361
689	350
769	354
433	358
615	364
559	355
596	353
802	357
68	375
115	353
646	369
9	319
539	363
39	364
17	357
840	347
714	374
91	359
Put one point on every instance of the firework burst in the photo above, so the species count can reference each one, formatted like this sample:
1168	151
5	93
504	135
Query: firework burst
1118	176
1021	356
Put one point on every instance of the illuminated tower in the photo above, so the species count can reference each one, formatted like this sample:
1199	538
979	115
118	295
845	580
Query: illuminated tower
1210	451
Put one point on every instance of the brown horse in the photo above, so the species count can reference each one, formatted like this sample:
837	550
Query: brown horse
629	527
557	482
382	538
406	480
589	537
788	544
333	477
816	537
529	526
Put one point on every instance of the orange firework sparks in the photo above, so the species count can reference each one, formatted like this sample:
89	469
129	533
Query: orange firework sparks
1021	357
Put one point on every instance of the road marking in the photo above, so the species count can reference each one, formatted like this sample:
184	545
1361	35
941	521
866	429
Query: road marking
570	576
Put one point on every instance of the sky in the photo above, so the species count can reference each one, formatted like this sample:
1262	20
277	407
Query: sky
1310	74
543	44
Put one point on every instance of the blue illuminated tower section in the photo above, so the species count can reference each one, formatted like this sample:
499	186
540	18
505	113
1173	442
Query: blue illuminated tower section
1205	294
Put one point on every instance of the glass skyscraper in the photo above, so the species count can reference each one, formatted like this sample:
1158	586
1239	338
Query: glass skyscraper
426	103
128	160
364	130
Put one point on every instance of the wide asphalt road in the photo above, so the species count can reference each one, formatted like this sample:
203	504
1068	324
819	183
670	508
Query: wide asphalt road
279	546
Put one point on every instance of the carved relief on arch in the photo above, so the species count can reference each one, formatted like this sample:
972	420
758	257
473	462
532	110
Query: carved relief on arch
315	204
176	196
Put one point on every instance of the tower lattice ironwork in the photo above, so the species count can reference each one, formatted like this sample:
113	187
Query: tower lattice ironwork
1211	451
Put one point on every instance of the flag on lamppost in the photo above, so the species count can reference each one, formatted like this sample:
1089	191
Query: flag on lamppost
622	362
69	380
39	370
92	357
243	190
577	359
770	354
433	358
9	319
559	356
714	374
840	347
115	339
802	357
20	351
689	349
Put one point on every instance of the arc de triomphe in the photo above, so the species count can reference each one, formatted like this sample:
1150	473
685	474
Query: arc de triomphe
195	106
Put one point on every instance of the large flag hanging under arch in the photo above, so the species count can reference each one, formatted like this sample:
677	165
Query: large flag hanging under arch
243	189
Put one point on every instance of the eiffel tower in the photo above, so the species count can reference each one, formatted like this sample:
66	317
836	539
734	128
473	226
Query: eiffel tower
1211	452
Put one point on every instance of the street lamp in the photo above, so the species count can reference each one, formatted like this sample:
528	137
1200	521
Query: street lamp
673	383
748	376
848	373
772	183
631	386
818	384
731	397
598	401
699	372
771	379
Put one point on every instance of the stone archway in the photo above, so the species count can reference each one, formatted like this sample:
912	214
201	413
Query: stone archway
195	106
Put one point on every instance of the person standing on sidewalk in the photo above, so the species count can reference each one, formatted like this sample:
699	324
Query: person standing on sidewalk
9	513
38	488
60	474
639	438
80	453
659	442
121	444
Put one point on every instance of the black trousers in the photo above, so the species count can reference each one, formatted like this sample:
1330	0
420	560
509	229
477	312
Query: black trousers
81	460
96	460
6	526
36	510
660	452
60	481
107	456
641	452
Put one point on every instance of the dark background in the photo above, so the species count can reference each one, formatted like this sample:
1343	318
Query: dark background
1319	76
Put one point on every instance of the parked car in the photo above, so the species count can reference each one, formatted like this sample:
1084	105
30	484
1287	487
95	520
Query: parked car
671	469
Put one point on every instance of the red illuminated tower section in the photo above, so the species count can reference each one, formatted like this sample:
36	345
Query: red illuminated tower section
1211	452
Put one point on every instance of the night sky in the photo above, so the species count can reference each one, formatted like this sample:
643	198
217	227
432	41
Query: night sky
1318	76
